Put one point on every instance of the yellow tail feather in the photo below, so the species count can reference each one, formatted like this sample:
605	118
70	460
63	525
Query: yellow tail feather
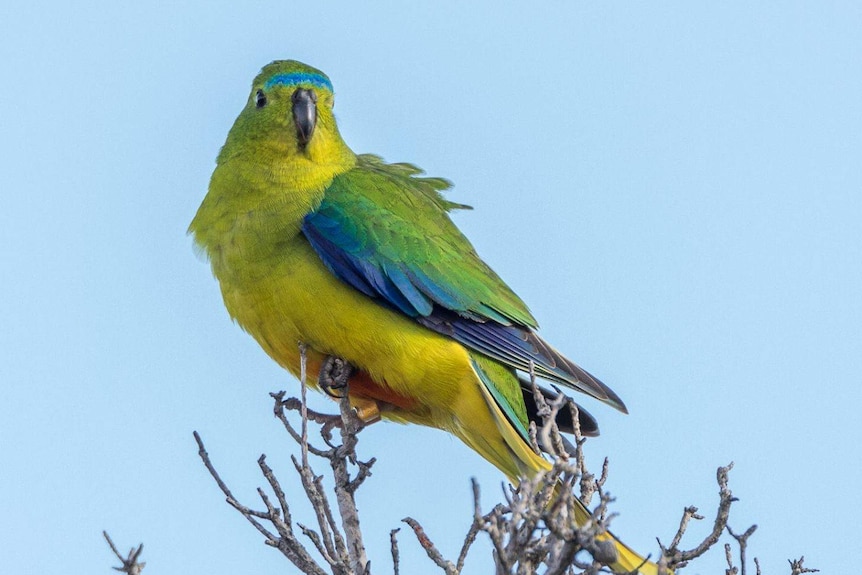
523	461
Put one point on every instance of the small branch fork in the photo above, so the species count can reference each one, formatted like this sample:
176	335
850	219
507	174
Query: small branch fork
797	567
339	546
130	563
675	558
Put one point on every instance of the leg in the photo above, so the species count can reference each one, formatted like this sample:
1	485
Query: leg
334	376
334	381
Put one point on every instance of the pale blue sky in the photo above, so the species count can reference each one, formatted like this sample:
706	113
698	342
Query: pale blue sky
674	190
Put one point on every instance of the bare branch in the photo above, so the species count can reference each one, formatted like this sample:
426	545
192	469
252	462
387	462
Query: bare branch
343	552
393	542
293	404
130	562
728	556
448	567
797	567
249	514
677	558
743	544
689	513
343	486
276	488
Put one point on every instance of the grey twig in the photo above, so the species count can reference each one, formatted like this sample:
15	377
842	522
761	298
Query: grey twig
797	567
344	486
396	555
341	546
294	404
728	556
130	562
688	513
429	547
303	360
246	512
677	558
742	540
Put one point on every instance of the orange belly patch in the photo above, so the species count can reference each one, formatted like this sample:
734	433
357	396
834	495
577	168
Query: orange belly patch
361	385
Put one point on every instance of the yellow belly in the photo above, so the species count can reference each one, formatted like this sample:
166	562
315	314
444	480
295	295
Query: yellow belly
298	300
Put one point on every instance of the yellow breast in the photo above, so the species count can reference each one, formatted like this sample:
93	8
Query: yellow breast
298	300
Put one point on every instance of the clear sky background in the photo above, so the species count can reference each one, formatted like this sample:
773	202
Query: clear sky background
674	190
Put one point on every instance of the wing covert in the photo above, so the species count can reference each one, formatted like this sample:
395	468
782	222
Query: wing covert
387	233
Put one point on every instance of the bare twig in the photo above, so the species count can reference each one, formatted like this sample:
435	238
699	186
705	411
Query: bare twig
742	540
728	556
797	567
429	547
285	541
303	361
396	555
475	527
340	545
130	562
246	512
677	558
344	487
688	513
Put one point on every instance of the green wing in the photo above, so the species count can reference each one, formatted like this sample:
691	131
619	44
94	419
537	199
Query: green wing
387	233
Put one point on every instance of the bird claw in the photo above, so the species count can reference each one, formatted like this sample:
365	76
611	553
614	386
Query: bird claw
334	375
334	381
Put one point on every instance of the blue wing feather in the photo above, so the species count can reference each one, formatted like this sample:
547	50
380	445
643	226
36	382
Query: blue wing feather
346	234
408	289
339	261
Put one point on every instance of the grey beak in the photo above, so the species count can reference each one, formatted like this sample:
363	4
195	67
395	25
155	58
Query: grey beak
304	114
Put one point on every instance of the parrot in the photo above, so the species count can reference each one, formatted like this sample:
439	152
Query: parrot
358	259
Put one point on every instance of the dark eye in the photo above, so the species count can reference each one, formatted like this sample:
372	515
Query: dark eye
260	99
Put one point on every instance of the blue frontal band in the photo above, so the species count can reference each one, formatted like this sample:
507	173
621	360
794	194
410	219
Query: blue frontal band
296	78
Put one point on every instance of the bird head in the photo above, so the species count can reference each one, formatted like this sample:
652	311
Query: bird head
288	116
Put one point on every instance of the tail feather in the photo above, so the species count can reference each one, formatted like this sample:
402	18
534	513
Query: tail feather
523	461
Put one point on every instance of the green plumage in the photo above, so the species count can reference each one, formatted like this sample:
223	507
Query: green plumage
389	217
506	390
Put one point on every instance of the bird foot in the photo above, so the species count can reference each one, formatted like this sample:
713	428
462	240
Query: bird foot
334	381
334	375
